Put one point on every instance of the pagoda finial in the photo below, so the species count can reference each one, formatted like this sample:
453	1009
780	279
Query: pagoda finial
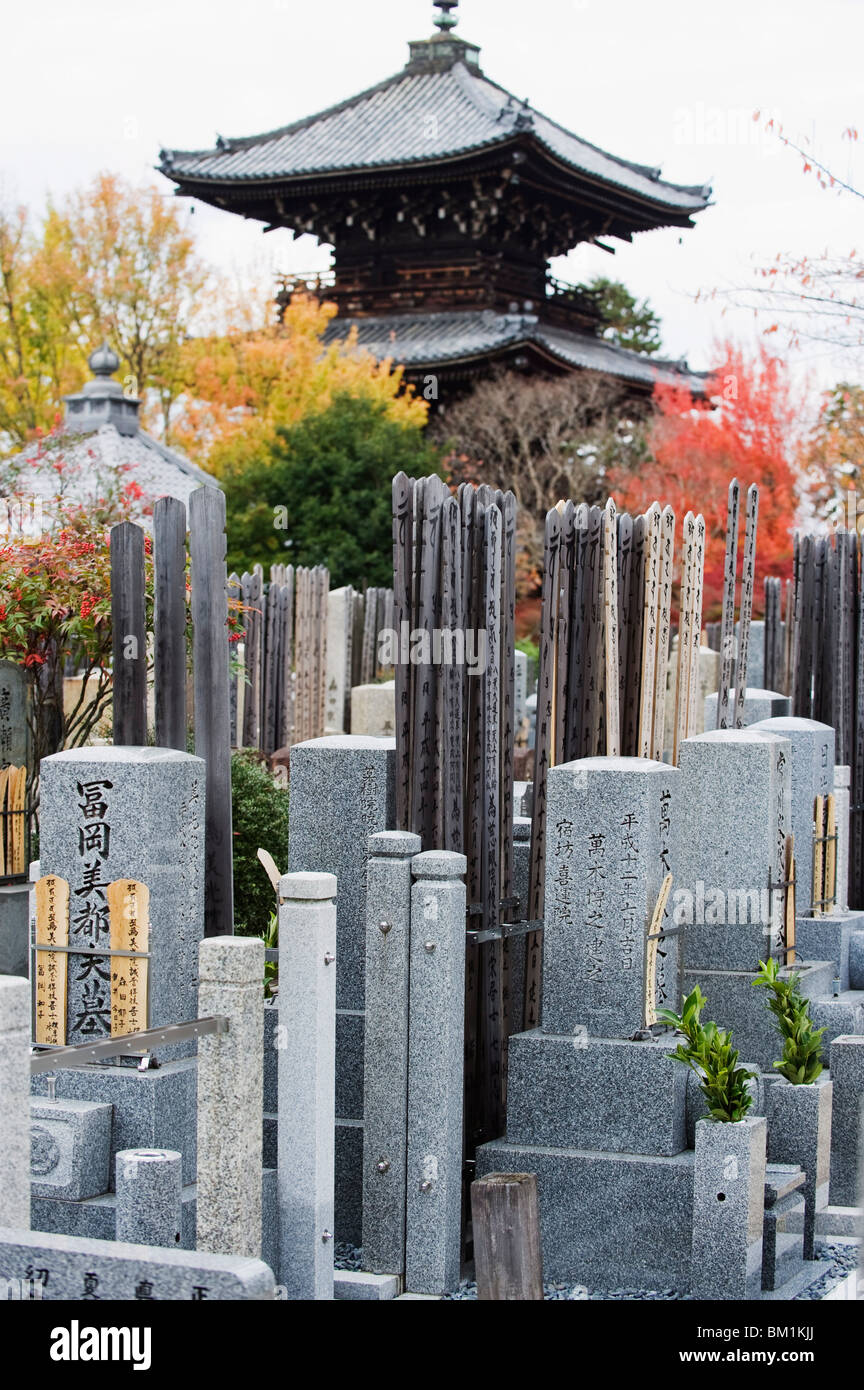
446	21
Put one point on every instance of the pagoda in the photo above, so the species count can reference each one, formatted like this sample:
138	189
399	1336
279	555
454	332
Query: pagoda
445	197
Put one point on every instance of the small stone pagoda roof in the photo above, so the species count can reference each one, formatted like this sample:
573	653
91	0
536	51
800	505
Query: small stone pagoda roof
442	340
102	436
440	109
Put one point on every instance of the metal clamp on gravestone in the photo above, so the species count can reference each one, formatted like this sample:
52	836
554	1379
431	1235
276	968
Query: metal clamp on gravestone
50	1058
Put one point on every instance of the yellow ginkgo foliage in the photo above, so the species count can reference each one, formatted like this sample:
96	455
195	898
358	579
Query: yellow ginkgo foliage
245	383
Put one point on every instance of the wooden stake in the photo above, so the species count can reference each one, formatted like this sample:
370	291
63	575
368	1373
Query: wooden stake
610	628
748	579
667	556
649	629
506	1220
789	900
818	855
129	921
652	942
727	624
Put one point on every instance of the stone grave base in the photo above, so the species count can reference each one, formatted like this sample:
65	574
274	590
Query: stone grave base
95	1218
741	1008
607	1220
840	1016
153	1109
595	1093
830	938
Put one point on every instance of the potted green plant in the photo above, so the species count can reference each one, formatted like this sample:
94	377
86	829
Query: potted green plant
798	1105
729	1163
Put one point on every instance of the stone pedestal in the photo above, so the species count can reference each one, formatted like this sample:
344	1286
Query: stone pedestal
799	1131
728	1206
149	1197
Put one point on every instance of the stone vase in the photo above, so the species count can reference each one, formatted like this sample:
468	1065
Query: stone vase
728	1208
799	1131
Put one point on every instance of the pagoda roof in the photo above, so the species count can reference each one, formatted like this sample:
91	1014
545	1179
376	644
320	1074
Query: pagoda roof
440	108
439	340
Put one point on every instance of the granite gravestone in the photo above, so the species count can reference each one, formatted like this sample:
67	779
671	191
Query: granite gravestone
14	734
812	776
609	832
127	813
736	806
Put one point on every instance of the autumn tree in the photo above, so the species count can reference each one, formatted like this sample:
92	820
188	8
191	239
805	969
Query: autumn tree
543	438
112	261
747	427
833	453
260	376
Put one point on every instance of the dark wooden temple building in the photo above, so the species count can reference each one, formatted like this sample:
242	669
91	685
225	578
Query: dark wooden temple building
444	197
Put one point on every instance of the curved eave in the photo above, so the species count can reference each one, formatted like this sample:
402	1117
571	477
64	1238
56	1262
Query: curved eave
194	184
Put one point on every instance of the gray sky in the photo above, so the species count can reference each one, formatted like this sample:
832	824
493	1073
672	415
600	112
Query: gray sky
102	84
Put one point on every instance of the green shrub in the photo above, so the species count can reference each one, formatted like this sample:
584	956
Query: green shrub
259	809
708	1052
802	1043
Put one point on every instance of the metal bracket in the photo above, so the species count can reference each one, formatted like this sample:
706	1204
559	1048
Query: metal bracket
503	931
50	1058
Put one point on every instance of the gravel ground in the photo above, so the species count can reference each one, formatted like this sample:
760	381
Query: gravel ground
843	1257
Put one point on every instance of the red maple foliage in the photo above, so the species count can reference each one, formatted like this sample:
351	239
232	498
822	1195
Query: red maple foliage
746	428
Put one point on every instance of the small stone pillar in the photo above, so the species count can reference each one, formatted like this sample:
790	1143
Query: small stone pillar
149	1197
385	1086
841	813
812	776
435	1072
728	1208
15	1106
306	1044
230	1096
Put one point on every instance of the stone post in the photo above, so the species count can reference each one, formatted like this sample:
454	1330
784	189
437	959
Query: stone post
847	1152
342	791
435	1072
230	1096
728	1208
306	1045
15	1107
385	1083
149	1197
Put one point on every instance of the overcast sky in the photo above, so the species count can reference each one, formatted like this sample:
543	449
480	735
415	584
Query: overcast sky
103	84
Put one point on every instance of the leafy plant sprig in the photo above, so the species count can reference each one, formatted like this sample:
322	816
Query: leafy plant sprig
801	1062
707	1050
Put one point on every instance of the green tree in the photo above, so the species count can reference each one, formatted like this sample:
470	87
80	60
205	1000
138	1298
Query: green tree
629	322
322	494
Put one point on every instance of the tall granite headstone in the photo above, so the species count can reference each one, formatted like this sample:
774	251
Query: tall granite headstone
127	813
